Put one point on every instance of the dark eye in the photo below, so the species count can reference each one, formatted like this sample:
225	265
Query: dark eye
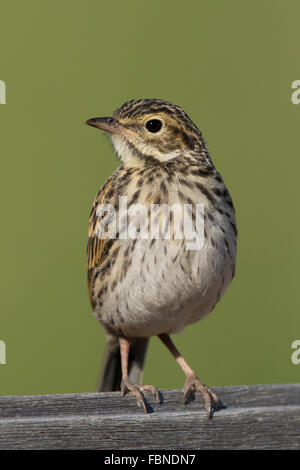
154	125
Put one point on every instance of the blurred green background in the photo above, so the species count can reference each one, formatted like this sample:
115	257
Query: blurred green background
230	65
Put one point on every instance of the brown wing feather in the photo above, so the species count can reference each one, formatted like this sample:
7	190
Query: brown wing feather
96	246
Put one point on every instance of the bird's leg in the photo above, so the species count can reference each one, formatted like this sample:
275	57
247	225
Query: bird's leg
192	383
126	385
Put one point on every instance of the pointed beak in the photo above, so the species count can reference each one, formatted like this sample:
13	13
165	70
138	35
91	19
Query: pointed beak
107	124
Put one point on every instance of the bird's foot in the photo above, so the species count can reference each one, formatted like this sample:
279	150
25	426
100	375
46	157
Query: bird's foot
136	390
194	384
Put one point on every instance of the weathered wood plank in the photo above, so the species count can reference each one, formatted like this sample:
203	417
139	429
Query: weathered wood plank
256	417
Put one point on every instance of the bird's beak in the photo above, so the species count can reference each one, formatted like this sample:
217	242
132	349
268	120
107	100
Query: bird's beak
107	124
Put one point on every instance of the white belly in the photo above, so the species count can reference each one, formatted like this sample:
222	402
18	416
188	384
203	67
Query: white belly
168	287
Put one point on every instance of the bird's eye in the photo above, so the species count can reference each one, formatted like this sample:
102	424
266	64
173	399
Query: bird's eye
154	125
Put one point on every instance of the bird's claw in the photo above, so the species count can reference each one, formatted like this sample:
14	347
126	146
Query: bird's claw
194	384
136	390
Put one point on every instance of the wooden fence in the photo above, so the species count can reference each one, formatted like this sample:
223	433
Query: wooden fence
255	417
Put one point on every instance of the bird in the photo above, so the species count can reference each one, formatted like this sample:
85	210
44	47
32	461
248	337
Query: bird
142	286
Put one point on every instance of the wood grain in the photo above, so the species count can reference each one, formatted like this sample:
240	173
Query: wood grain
255	417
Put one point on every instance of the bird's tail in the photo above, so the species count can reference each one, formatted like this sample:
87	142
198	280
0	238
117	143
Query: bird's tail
111	373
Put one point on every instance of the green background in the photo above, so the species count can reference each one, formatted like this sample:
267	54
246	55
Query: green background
230	65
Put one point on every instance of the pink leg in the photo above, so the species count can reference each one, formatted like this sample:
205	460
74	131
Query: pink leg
126	385
192	383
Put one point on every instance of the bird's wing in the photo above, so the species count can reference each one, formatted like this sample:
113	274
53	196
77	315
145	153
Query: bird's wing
96	247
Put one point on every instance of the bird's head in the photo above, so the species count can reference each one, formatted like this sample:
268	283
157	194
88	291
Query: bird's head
145	128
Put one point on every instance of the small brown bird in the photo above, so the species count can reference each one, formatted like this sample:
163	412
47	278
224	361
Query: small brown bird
140	284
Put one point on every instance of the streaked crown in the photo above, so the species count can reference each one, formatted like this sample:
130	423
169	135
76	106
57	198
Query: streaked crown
152	128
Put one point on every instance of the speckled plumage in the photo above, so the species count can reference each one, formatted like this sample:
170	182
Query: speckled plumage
142	288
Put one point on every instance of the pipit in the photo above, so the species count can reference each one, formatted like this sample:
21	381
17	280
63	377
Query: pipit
144	285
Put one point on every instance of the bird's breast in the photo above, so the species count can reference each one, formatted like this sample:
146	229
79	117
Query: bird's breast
159	285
